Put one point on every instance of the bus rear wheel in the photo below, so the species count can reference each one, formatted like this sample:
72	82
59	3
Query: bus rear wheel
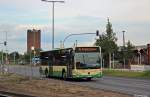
89	79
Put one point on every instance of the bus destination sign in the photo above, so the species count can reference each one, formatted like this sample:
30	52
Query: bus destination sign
87	49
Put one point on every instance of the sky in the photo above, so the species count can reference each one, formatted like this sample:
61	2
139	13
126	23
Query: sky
71	17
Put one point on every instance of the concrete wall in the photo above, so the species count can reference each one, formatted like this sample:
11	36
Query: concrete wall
140	67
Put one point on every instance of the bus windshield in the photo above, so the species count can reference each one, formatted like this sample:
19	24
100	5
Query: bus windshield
87	60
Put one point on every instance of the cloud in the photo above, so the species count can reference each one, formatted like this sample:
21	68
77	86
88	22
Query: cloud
74	16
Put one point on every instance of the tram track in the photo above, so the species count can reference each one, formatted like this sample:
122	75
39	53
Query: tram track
13	94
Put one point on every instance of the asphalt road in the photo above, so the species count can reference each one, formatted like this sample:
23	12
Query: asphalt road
123	85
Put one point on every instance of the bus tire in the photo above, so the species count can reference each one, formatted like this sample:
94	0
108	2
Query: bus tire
89	79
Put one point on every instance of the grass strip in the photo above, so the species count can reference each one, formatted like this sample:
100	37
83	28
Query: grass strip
130	74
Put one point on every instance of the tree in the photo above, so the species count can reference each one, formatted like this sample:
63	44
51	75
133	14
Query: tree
37	52
107	41
27	57
14	54
14	57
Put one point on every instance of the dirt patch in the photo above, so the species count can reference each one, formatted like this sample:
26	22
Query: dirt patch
51	88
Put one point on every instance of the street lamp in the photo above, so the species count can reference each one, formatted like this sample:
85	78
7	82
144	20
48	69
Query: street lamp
53	2
123	49
33	49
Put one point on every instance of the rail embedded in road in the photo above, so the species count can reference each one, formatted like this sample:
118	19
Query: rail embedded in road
6	93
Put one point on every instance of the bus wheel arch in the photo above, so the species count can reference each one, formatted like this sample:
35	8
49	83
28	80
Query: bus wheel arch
89	79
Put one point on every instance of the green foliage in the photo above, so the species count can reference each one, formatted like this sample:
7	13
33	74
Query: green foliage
107	41
37	52
129	52
146	74
27	57
109	32
14	54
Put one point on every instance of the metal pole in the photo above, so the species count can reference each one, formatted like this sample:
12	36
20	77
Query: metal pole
103	63
30	57
6	48
53	25
110	61
123	38
113	61
140	58
34	56
34	47
53	3
101	60
6	55
30	65
14	58
123	49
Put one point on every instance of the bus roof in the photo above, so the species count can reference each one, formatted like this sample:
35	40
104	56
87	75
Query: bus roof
68	48
56	50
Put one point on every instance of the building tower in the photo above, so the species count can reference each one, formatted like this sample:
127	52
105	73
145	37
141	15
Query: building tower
33	39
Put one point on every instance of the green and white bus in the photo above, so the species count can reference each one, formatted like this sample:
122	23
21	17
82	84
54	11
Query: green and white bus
78	62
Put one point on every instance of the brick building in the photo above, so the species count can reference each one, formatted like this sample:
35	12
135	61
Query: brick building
144	53
33	39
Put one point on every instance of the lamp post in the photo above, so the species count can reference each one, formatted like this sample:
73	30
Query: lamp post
53	3
33	49
123	49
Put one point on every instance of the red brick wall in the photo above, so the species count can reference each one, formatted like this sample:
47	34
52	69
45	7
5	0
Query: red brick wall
33	39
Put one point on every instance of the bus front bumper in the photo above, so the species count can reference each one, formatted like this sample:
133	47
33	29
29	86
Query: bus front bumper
98	75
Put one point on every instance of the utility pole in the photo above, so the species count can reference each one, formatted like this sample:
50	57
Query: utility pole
53	3
6	58
14	57
123	49
33	48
